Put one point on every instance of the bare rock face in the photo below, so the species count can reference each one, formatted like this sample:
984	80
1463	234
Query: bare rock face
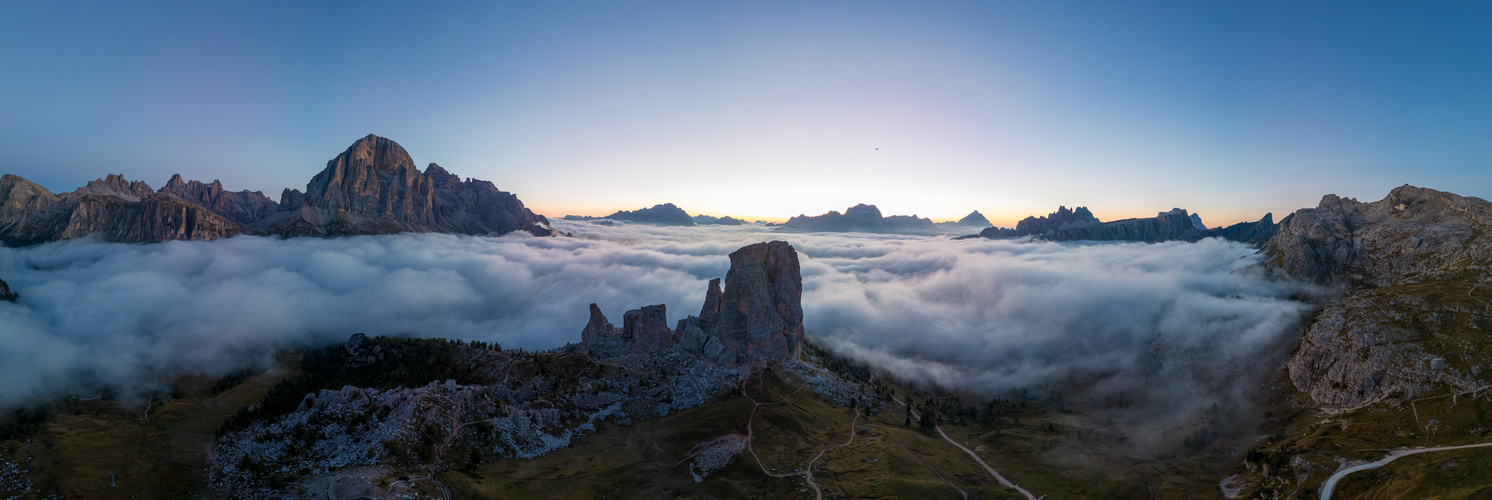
243	207
477	207
599	328
762	312
6	294
374	188
1411	272
1411	235
371	188
29	213
647	329
110	208
714	303
758	315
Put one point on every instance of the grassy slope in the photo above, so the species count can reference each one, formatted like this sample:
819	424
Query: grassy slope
165	457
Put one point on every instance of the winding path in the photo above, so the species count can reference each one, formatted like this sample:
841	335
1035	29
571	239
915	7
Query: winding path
987	468
1331	483
991	470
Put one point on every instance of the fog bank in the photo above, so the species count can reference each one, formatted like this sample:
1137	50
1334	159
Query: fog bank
973	314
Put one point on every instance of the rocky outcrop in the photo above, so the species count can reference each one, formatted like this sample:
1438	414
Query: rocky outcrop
646	329
1410	275
371	188
6	294
243	207
599	329
758	315
1397	341
861	218
666	214
1411	235
1062	219
762	312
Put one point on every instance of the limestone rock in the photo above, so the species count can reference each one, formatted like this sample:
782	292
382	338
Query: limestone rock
762	313
110	208
243	207
758	315
6	294
1409	273
1413	234
714	302
599	328
371	188
647	329
476	206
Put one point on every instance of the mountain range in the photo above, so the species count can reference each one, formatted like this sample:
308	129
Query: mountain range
371	188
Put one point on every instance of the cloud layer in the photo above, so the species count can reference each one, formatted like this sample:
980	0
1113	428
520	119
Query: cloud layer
974	314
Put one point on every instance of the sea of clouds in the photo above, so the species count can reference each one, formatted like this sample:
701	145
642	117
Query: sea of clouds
980	315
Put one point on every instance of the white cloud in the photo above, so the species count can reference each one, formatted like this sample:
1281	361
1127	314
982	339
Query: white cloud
973	314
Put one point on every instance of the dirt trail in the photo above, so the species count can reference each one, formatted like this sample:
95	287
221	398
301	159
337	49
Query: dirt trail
987	468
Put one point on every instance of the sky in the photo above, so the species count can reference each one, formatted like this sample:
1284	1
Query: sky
767	110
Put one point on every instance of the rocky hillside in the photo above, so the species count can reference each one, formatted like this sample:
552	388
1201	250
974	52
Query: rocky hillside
425	405
861	218
371	188
1409	312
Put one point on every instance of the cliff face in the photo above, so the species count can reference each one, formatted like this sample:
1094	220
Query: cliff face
110	208
371	188
861	218
758	315
1411	273
243	207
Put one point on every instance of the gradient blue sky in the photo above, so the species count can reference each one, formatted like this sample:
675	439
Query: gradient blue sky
766	109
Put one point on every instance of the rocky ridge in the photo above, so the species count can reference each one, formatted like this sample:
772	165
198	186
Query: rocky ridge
1409	310
505	403
861	218
371	188
1177	224
6	294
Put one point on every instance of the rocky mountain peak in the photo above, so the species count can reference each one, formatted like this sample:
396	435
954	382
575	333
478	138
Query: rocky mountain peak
115	185
974	219
441	177
863	211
